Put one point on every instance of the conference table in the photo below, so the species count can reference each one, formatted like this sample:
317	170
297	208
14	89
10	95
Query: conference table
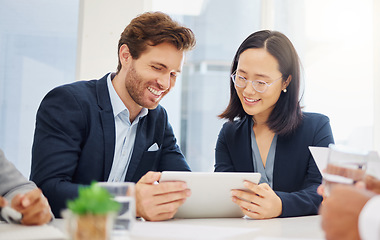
308	227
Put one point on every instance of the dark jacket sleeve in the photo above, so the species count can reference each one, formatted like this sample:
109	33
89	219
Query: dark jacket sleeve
306	201
57	146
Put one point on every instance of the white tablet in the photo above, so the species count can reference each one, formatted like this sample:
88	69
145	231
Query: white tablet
210	192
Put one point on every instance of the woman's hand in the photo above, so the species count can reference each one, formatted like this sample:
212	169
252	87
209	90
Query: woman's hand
261	203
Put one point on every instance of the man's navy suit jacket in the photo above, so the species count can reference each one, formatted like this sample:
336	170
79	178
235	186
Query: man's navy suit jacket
295	174
74	142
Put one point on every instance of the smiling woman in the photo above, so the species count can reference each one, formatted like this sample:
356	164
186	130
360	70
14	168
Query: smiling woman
268	133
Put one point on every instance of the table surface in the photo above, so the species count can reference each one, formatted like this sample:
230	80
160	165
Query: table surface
217	228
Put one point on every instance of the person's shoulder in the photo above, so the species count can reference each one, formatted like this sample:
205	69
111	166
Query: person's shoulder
2	156
77	86
236	124
78	89
312	120
314	117
80	86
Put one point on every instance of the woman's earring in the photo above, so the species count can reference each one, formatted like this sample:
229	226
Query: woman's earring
285	90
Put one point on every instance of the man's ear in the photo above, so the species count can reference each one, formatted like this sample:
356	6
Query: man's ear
124	54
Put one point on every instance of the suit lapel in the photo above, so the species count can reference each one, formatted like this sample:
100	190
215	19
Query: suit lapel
108	124
280	166
242	146
138	149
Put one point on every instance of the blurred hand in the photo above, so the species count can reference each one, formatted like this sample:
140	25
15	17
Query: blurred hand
355	174
33	206
156	202
261	203
3	202
372	184
340	211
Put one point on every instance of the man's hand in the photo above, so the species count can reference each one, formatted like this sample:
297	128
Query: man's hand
33	206
156	202
340	211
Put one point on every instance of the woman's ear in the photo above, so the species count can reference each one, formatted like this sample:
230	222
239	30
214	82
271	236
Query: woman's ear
287	82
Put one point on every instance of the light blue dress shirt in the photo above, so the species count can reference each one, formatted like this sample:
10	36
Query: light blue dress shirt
125	135
267	171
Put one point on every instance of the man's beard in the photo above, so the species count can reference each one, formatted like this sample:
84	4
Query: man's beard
136	87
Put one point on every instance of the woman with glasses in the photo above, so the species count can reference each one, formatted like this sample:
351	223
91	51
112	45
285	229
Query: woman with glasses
268	133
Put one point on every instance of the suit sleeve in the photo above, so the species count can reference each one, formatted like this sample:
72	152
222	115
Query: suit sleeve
223	162
307	200
59	132
12	181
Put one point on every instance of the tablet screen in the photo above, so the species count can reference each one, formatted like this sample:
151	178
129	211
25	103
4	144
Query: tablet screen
210	192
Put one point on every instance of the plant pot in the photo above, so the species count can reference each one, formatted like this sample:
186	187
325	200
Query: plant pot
89	226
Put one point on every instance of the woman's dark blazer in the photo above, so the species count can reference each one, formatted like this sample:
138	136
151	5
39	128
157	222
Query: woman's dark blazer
295	174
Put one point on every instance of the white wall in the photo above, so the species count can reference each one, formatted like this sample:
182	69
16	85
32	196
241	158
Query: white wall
376	74
100	24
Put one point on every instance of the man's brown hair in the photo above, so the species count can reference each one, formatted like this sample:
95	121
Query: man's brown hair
153	28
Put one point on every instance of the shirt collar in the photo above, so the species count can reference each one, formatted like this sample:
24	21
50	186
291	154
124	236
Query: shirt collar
118	105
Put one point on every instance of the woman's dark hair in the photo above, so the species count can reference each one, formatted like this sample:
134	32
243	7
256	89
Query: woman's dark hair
286	115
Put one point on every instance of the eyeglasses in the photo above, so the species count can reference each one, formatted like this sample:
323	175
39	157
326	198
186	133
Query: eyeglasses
259	85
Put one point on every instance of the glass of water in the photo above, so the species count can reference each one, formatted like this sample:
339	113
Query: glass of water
124	193
344	167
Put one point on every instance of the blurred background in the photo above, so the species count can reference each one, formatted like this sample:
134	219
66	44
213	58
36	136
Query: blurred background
46	43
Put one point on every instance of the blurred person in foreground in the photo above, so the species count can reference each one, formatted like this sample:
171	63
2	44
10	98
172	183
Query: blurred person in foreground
22	195
352	212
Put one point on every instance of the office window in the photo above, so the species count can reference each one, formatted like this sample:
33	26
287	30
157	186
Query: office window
203	91
334	39
338	61
336	51
38	42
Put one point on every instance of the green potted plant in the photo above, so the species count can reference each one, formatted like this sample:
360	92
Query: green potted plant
91	214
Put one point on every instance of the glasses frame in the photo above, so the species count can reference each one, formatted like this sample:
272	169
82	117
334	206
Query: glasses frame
234	75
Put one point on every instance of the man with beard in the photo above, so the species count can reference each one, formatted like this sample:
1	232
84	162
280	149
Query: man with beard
113	129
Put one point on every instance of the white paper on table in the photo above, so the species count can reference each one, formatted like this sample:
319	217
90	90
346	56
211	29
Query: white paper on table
163	230
21	232
373	166
320	155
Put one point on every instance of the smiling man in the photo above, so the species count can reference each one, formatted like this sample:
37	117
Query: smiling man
113	129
